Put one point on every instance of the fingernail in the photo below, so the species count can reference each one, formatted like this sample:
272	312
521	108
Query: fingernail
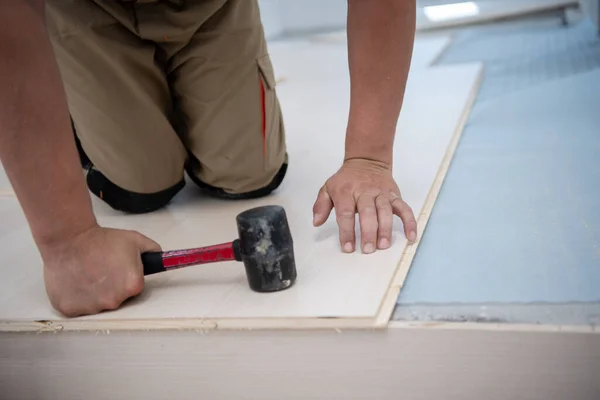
384	243
412	236
369	248
348	247
315	218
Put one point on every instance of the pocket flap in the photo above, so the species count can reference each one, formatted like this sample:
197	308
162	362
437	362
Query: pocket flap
266	69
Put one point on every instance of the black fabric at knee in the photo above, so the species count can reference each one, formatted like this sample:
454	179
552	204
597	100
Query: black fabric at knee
126	201
83	158
262	192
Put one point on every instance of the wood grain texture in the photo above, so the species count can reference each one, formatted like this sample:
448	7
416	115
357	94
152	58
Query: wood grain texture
333	289
418	363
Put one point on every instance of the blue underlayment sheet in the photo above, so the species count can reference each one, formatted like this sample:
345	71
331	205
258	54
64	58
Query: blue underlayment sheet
518	216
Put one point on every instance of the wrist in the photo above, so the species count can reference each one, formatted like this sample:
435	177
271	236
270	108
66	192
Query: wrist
367	163
377	148
56	236
370	137
385	159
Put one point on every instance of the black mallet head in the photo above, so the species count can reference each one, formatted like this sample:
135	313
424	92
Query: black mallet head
266	248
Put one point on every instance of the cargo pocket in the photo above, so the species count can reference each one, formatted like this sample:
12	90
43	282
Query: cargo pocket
273	135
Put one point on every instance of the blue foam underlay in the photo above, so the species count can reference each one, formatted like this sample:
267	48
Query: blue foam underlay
518	217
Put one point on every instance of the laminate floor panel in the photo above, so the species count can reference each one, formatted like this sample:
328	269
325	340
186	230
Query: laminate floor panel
330	284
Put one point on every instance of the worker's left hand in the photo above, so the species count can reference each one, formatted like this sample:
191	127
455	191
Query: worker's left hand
366	187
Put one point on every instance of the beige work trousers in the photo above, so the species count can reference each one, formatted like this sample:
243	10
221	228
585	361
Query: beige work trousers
155	87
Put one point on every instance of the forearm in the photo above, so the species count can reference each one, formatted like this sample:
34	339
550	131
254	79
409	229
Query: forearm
37	148
380	43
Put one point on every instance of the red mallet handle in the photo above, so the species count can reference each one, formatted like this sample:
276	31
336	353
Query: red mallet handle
155	262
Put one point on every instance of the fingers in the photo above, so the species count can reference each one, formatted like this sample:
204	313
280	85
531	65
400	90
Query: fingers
375	216
403	210
375	196
385	217
135	283
322	207
345	211
369	225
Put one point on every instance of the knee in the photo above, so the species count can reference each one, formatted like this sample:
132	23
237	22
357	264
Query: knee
263	190
126	201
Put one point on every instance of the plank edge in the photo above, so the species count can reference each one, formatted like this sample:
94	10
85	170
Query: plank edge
388	302
182	324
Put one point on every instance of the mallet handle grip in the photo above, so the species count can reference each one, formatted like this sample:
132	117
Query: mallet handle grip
155	262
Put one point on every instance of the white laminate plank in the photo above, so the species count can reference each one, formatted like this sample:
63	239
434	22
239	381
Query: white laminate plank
330	283
425	362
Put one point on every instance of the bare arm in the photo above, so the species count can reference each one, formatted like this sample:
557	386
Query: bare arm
37	148
87	268
380	43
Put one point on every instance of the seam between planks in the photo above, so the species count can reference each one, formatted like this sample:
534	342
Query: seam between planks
239	325
388	302
488	326
181	324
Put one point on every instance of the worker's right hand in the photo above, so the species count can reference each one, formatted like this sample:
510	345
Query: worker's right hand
95	271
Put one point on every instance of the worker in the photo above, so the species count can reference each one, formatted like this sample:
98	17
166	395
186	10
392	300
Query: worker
141	92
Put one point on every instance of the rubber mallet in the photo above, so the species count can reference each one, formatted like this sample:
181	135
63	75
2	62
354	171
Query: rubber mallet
264	245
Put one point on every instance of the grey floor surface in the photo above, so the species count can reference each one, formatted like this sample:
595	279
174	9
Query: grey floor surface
515	232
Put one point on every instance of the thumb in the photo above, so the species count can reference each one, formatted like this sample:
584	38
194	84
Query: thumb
322	207
146	244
